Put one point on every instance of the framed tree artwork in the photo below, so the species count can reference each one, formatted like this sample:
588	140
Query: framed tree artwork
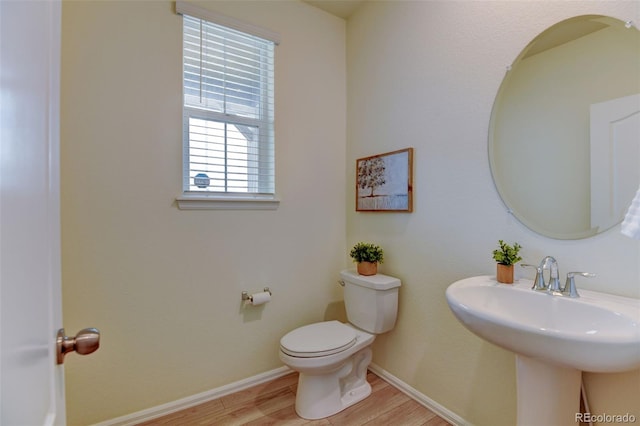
384	182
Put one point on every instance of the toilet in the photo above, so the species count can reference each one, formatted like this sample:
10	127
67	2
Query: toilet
332	357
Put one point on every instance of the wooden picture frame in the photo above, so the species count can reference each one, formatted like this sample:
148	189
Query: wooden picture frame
384	182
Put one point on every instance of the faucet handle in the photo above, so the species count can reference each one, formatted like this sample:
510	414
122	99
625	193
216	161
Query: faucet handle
538	282
570	285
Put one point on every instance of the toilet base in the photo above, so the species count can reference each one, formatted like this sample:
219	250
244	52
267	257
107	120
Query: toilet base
320	396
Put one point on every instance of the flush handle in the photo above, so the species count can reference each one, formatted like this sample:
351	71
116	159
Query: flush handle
85	342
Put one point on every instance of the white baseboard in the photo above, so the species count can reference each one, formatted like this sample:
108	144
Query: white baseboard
181	404
419	397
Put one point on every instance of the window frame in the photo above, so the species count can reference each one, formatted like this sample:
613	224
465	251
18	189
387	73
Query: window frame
199	200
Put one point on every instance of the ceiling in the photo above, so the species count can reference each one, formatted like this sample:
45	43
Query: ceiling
340	8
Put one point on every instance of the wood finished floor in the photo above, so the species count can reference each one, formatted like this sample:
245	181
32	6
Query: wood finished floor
272	403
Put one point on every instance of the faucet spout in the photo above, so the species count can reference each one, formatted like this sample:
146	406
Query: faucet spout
549	262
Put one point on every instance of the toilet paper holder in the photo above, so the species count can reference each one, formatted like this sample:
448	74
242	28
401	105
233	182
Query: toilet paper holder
247	296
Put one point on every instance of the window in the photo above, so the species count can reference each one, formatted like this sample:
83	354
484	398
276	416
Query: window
228	112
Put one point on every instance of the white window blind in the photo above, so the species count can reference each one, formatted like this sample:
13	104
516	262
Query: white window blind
228	110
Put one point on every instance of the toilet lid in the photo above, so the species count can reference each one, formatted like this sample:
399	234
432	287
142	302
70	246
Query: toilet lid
319	339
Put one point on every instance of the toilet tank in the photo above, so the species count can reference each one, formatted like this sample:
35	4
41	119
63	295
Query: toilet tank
371	301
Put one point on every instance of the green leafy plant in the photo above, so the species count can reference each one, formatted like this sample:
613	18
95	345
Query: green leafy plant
367	252
506	254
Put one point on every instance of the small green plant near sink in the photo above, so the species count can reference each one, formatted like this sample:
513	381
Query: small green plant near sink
367	256
506	256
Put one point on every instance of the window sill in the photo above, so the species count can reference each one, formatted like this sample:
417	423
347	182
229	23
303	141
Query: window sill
216	202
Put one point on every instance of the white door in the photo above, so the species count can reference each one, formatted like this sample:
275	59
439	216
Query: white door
31	383
615	158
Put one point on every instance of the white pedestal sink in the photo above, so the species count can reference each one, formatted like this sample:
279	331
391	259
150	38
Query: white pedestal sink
555	338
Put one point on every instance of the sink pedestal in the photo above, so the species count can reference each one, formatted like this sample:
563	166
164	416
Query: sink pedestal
547	394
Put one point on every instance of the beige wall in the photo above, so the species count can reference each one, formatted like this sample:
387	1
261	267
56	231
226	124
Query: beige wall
424	74
164	285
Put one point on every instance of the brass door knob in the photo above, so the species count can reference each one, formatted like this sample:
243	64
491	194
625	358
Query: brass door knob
85	342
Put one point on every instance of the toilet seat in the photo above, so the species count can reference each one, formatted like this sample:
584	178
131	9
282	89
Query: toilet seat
318	340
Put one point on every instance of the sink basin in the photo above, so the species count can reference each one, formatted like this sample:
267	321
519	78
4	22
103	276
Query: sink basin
597	332
555	338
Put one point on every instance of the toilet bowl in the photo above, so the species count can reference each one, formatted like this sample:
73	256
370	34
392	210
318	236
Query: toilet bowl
332	373
332	357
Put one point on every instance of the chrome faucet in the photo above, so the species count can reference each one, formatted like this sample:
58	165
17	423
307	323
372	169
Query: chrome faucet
554	281
553	287
554	275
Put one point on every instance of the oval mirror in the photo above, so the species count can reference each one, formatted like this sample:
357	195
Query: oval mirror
564	137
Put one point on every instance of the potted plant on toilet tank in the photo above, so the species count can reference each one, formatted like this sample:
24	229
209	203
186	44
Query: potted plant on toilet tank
367	256
506	256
